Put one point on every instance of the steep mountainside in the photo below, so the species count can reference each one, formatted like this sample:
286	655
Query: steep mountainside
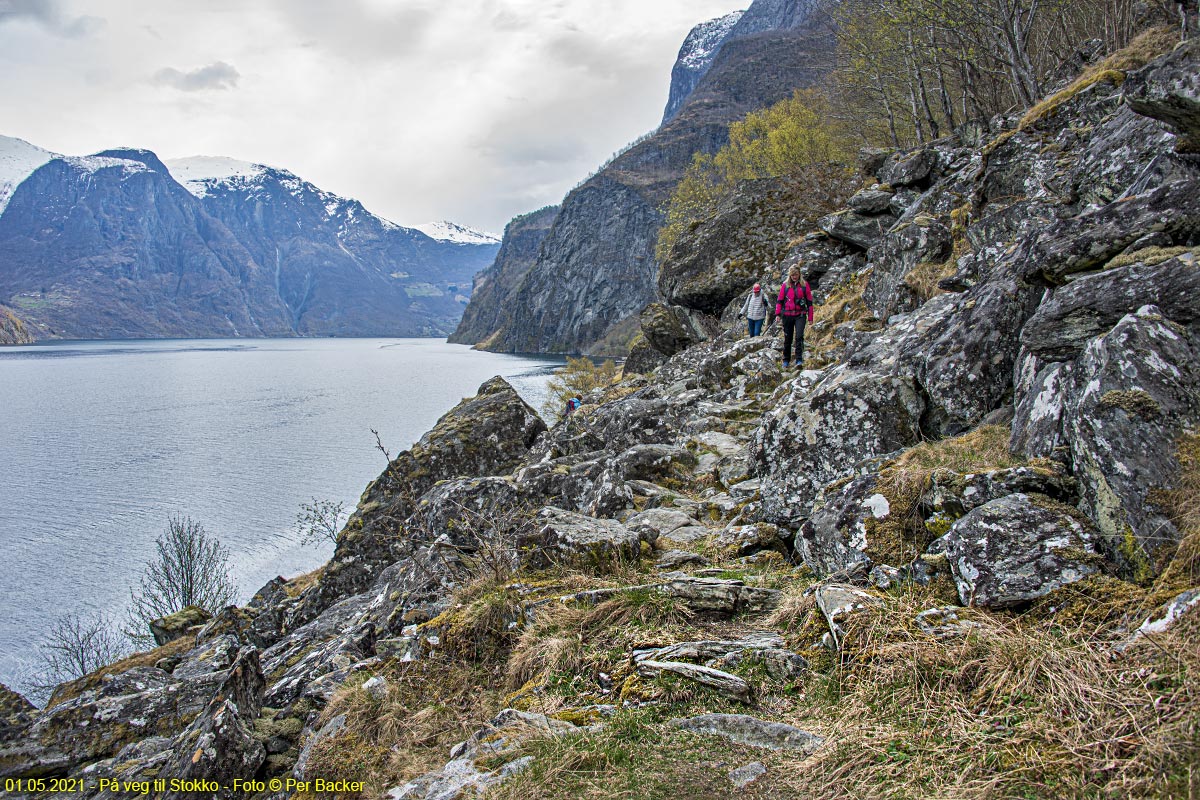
596	268
119	245
957	555
486	313
695	57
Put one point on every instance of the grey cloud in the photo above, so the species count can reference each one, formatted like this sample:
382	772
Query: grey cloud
217	75
353	31
50	16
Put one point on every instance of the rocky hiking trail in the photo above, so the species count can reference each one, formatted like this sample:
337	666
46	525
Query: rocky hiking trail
957	556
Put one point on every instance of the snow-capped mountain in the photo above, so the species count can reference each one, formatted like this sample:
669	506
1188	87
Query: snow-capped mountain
119	244
445	231
695	57
18	160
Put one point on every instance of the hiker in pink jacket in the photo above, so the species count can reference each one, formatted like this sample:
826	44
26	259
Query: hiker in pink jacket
795	308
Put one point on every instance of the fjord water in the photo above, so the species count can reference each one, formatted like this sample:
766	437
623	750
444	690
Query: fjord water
103	441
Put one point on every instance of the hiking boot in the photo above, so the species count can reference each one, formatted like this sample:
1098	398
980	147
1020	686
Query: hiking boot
786	365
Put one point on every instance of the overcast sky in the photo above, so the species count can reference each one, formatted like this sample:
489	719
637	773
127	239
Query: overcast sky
468	110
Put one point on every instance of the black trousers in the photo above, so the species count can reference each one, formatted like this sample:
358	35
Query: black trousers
793	327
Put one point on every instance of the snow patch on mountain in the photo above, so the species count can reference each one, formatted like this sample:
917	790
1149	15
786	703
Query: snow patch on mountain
445	231
18	160
200	174
701	45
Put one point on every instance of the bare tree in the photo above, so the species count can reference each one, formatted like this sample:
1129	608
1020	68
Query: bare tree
190	568
75	646
319	521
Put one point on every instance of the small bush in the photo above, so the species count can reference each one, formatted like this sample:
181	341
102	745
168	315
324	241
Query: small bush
578	377
75	646
190	568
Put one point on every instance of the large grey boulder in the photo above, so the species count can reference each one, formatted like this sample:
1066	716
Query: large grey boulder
670	329
871	201
1168	89
1016	549
1089	307
817	435
484	435
860	230
1091	240
834	539
909	168
1133	392
118	709
899	252
566	538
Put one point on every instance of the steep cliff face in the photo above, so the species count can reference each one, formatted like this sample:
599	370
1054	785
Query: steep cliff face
486	313
695	57
120	245
596	268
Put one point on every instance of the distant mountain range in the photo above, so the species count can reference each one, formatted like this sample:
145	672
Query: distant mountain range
122	245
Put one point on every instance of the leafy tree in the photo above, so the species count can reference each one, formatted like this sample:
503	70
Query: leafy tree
797	138
190	568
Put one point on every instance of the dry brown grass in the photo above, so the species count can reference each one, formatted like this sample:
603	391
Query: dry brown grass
923	279
430	705
568	646
1183	502
844	304
1015	709
901	535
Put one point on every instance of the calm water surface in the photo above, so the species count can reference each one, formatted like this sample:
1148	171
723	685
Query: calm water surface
102	441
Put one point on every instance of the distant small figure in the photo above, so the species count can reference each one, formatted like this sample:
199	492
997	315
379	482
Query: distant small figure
754	310
1185	10
573	405
795	308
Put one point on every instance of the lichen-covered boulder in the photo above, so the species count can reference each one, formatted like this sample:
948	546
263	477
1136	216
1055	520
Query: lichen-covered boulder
643	358
871	201
670	329
816	435
15	711
488	434
1133	392
566	538
171	627
112	710
218	746
834	539
898	253
1168	89
1041	397
954	494
1090	306
1091	240
1016	549
909	168
860	230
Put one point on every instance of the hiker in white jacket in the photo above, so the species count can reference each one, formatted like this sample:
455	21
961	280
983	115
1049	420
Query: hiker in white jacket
754	310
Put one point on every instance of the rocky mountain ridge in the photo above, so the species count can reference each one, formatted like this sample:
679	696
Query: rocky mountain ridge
963	530
121	245
595	269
